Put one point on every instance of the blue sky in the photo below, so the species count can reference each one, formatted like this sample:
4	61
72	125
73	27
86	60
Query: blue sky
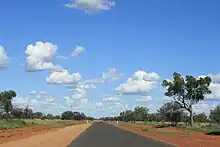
119	39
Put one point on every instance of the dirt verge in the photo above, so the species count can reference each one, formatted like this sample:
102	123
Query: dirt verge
174	136
55	138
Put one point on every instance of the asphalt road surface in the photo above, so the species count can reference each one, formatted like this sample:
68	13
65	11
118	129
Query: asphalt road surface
106	135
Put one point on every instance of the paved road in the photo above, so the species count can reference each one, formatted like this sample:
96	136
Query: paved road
106	135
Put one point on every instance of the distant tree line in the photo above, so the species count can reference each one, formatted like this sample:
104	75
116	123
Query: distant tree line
169	112
8	111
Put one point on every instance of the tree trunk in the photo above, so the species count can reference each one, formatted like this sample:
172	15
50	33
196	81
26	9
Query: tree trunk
191	117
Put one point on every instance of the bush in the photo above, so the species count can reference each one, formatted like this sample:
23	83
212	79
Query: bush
144	129
213	133
162	126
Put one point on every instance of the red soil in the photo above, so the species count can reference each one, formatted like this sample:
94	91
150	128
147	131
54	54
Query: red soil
174	136
21	133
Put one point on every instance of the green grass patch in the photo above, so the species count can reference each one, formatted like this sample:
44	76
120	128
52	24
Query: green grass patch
15	123
144	129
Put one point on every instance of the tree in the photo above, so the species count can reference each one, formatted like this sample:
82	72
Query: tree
57	117
6	98
17	112
215	115
128	115
170	112
68	115
49	116
200	118
140	113
38	115
187	91
28	113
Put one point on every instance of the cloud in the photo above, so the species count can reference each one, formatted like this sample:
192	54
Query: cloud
62	57
144	99
42	92
141	82
63	77
203	107
214	86
78	50
110	99
49	99
91	5
215	78
24	101
109	76
39	56
3	58
99	105
34	92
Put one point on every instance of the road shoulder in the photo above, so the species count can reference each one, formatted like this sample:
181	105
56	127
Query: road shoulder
59	138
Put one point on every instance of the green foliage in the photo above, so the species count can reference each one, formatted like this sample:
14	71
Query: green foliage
215	115
17	112
217	132
187	91
38	114
170	112
69	115
15	123
140	113
49	116
57	117
28	113
144	129
201	118
6	98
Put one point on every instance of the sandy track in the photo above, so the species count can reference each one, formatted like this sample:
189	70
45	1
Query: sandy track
59	138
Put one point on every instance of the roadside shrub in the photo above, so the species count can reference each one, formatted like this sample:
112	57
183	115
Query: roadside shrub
162	126
144	129
213	133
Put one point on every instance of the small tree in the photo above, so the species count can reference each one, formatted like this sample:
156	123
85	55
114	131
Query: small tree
187	91
201	118
170	112
49	116
57	117
215	115
140	113
6	98
38	115
17	112
68	115
28	113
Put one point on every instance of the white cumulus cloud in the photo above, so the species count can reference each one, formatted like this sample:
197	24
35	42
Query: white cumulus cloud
141	82
214	86
3	58
109	76
91	5
78	50
24	101
40	55
63	77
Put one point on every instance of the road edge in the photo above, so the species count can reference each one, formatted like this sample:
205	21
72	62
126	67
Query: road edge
142	134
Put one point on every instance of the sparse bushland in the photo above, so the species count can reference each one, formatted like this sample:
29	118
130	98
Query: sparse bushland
14	117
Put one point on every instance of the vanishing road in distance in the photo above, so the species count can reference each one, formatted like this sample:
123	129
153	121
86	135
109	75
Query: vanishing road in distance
106	135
